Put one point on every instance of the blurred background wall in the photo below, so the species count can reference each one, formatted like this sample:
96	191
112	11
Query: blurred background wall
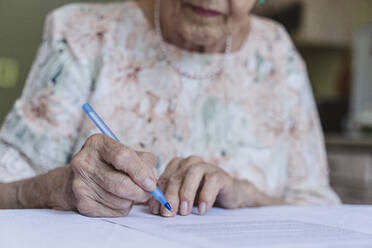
333	36
21	25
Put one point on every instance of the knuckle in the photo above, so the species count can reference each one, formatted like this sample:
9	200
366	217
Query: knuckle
77	161
214	176
174	160
82	170
123	155
162	182
193	159
175	179
185	194
94	139
81	166
173	165
149	159
195	169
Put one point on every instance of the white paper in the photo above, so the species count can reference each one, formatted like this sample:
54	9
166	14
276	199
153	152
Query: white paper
261	227
331	227
58	229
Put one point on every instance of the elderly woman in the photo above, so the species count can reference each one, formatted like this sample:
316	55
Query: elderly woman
214	98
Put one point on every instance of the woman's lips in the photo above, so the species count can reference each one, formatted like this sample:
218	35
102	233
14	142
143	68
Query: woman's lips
204	12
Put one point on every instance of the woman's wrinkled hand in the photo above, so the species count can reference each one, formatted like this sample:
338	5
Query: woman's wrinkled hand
191	180
108	177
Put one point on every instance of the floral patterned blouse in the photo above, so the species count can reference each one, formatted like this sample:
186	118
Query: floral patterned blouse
256	119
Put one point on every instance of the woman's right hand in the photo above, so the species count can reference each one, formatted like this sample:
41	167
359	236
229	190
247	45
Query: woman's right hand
107	177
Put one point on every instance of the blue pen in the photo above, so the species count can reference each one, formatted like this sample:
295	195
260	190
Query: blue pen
157	194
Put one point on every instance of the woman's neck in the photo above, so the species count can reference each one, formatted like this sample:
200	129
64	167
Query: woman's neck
239	34
171	35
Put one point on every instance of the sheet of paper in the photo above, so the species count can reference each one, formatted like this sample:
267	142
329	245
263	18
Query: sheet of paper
57	229
331	227
343	226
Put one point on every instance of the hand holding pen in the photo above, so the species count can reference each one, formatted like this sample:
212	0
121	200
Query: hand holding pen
104	179
107	178
128	162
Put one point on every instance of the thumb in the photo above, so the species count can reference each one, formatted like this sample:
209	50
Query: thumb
149	160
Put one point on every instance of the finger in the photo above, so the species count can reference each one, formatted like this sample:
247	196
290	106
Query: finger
172	167
126	160
111	201
189	188
119	184
154	206
148	158
211	187
92	208
192	160
87	205
172	195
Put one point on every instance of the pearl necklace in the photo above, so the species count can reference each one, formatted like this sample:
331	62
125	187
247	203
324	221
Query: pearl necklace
177	67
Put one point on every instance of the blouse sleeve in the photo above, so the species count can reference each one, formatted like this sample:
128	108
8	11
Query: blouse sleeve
40	130
307	173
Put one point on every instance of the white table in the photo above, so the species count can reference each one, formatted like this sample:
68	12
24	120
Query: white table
337	226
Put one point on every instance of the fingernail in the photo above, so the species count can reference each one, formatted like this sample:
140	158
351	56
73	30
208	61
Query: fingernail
155	208
167	213
184	208
149	184
202	208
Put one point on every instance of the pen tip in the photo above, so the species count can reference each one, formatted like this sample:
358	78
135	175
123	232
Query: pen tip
168	206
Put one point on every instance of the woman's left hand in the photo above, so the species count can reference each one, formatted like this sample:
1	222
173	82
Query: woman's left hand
190	180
